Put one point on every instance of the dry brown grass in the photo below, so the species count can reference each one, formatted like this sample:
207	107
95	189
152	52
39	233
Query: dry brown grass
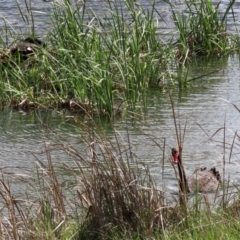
108	192
117	192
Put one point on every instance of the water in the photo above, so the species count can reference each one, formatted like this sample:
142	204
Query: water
13	22
11	19
205	106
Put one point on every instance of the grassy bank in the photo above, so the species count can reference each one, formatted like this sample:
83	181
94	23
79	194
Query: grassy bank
101	64
105	192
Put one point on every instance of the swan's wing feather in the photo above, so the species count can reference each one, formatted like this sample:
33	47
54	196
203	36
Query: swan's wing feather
202	181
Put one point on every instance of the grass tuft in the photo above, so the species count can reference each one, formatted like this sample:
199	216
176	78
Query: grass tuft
202	29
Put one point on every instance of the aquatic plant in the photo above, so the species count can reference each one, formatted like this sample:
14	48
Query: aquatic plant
96	64
113	57
94	61
202	28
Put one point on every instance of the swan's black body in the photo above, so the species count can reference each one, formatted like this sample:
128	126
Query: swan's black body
201	180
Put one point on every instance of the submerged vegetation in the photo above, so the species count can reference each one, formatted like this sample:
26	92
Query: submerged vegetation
98	64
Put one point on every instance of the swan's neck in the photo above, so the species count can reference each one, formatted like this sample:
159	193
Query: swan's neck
182	176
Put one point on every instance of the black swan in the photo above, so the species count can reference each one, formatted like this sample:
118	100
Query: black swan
202	180
25	48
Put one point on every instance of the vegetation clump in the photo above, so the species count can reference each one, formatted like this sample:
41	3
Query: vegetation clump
202	29
100	63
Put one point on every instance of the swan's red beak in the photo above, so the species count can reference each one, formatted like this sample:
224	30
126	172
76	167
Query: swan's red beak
175	156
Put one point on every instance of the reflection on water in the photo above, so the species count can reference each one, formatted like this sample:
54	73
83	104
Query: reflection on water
205	107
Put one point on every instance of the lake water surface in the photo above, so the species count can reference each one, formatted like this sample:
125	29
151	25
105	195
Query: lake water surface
14	21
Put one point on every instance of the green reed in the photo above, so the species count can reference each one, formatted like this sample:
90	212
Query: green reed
202	29
100	62
110	53
94	60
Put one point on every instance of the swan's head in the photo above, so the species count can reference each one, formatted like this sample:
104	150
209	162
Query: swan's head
175	155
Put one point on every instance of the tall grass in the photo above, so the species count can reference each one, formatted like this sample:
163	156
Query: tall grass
103	193
111	55
107	194
94	62
202	29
